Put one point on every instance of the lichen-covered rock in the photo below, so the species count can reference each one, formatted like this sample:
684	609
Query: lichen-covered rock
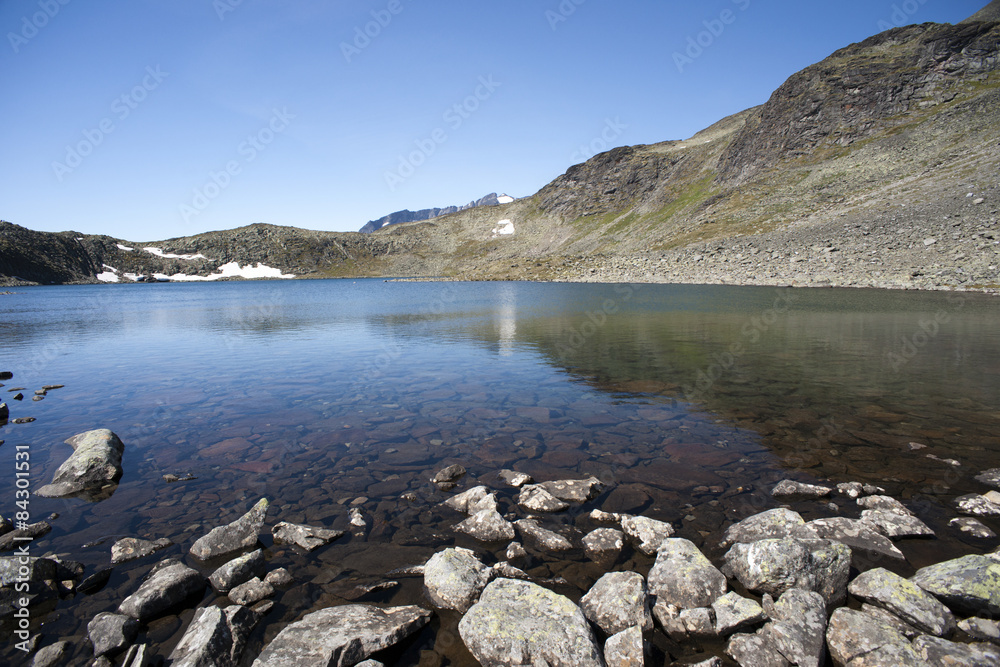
776	565
341	636
754	651
305	537
983	629
979	505
574	490
521	623
544	537
905	599
647	534
895	524
604	545
684	577
233	537
536	499
167	586
454	578
855	534
973	527
461	502
967	585
618	601
130	548
786	488
990	477
250	592
625	649
937	651
514	478
798	627
884	503
487	526
772	524
733	613
93	469
851	634
684	624
215	637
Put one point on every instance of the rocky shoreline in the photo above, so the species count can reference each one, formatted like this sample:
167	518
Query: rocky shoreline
785	591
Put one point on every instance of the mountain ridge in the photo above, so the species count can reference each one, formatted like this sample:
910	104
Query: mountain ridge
406	215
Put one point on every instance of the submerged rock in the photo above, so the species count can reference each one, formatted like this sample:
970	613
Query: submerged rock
305	537
521	623
169	585
990	477
536	499
454	578
445	478
238	535
967	585
788	488
487	526
604	545
93	469
111	633
776	565
905	599
215	637
130	548
342	635
973	527
684	577
543	537
618	601
647	534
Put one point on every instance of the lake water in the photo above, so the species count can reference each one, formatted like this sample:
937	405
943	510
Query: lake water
689	402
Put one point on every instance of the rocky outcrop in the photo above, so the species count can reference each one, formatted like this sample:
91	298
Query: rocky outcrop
92	471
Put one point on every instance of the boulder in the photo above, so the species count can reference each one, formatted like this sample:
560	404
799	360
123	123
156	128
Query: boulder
982	629
341	636
647	534
237	571
446	477
215	637
461	502
684	624
990	477
514	478
111	633
798	627
19	569
53	655
754	651
894	524
16	538
625	649
574	490
967	585
236	536
905	599
772	524
93	469
130	548
544	537
973	527
304	537
279	578
250	592
856	534
604	545
733	613
454	578
618	601
979	505
788	488
776	565
885	503
852	633
521	623
684	577
937	651
487	526
536	499
167	586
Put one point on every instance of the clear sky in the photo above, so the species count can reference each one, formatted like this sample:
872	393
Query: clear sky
150	119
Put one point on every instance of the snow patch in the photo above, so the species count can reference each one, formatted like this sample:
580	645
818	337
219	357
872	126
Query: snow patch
505	199
124	247
230	270
503	228
108	277
152	250
134	277
110	268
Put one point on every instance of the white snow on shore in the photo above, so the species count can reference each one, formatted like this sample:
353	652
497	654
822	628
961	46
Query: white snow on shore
152	250
230	270
124	247
503	228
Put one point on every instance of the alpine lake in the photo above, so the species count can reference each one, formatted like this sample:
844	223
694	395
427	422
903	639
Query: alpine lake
688	402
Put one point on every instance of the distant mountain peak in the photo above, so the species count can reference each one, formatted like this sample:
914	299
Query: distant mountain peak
990	12
406	215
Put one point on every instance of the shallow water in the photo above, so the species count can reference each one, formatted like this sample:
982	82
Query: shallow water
688	401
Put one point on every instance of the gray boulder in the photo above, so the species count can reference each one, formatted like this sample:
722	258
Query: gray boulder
798	627
788	488
647	534
454	578
536	499
772	524
574	490
983	629
341	636
973	527
684	624
603	545
111	633
514	478
618	601
251	591
990	477
937	651
967	585
521	623
905	599
979	505
130	548
894	524
215	637
754	651
855	534
466	501
236	536
446	477
544	537
53	655
733	613
237	571
169	585
487	526
93	469
775	566
885	503
682	576
304	537
851	634
625	649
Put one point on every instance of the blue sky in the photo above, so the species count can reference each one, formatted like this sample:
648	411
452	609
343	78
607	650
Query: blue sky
151	119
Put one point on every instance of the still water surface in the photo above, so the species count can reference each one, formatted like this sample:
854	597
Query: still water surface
688	401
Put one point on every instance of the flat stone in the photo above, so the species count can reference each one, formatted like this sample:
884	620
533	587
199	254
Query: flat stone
521	623
851	634
454	578
967	585
776	565
855	534
905	599
514	478
170	584
574	490
341	636
798	627
978	505
754	651
890	655
889	618
536	499
544	537
604	545
215	637
508	571
251	591
625	649
684	577
618	601
487	526
788	488
236	536
93	469
304	537
733	613
894	524
973	527
130	548
990	477
937	651
885	503
111	633
647	534
983	629
772	524
237	571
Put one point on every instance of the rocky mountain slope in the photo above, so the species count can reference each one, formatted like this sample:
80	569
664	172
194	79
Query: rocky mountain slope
874	167
407	215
